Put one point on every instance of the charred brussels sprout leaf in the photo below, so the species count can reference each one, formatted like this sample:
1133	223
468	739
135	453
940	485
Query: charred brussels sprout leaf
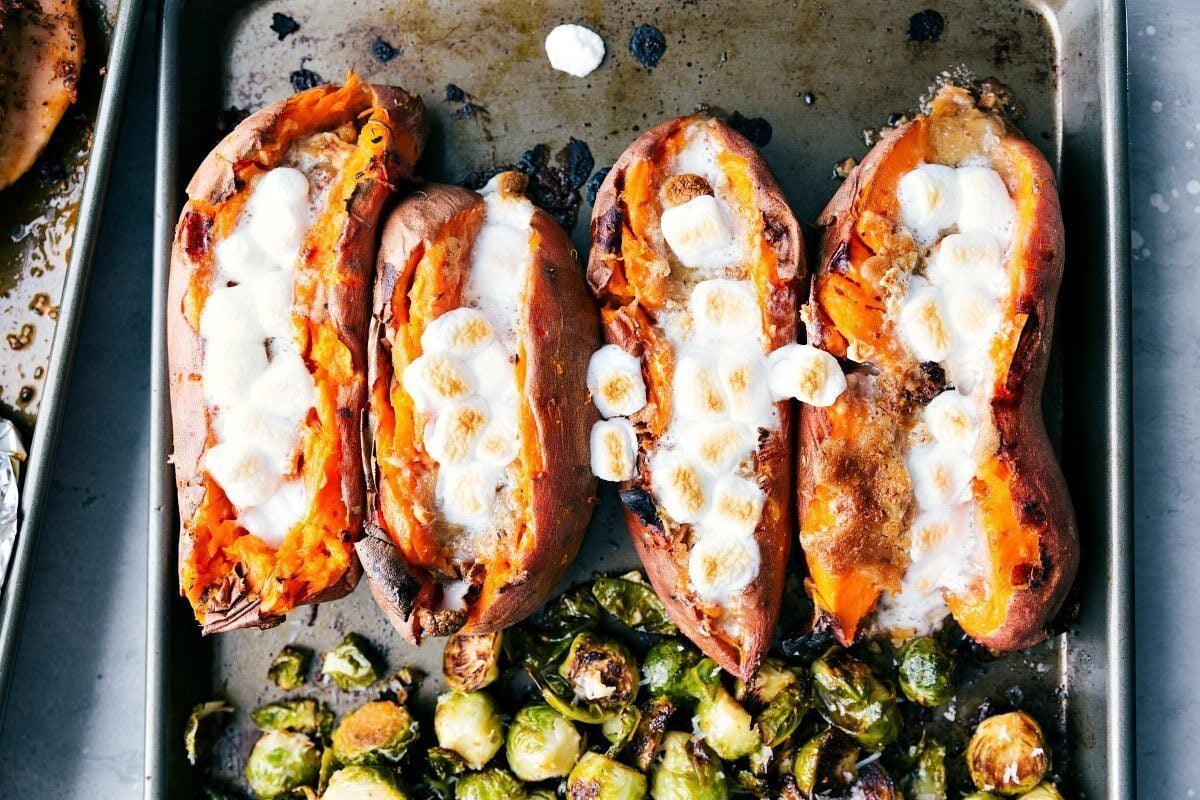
525	647
826	763
1007	754
402	685
281	762
927	780
600	672
442	767
201	725
1043	791
771	679
666	667
302	716
471	661
492	784
329	765
687	770
470	725
873	783
619	730
926	672
351	665
650	730
542	744
853	699
288	669
376	733
598	777
363	783
782	715
633	603
574	612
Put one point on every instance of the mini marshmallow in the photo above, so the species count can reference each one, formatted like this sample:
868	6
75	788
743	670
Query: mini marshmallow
743	375
285	388
806	373
722	565
718	446
697	390
698	233
466	494
986	206
726	309
244	474
928	531
940	474
239	258
614	450
736	508
278	514
614	378
231	367
273	303
500	258
261	430
463	333
679	486
500	441
952	420
435	379
278	214
974	313
230	312
923	325
456	430
574	49
929	200
963	259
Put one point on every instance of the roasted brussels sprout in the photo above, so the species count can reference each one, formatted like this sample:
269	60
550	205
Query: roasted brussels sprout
666	666
469	724
703	680
303	716
598	777
619	730
351	665
1043	791
290	666
981	796
1007	754
782	715
850	697
375	733
773	677
363	783
280	762
600	672
201	725
926	671
442	767
542	744
402	685
651	727
471	661
541	794
687	770
726	727
633	602
927	779
527	648
826	763
491	784
329	765
574	612
873	783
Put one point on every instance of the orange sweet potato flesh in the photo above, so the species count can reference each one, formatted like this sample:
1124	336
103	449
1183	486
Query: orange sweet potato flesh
423	263
629	271
854	497
232	578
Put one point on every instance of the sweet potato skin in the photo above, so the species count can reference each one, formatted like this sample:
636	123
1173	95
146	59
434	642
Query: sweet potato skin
560	332
234	605
1039	489
655	544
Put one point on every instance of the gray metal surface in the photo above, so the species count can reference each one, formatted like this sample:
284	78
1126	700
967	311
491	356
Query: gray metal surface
63	285
1065	60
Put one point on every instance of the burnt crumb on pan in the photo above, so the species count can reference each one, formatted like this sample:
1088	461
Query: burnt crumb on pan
926	26
593	184
469	108
455	93
469	111
756	129
577	162
312	615
647	45
384	50
996	96
283	25
842	169
228	119
873	136
304	78
553	185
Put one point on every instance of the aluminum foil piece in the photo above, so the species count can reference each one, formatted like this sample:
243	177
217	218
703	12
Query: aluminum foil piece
12	454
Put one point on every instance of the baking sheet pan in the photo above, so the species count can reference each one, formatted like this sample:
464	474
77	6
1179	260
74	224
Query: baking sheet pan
820	74
49	221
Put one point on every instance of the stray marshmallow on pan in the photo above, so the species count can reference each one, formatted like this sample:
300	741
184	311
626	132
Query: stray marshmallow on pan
574	49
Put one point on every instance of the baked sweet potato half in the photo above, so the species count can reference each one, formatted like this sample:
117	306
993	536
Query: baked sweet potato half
930	487
268	297
479	415
695	260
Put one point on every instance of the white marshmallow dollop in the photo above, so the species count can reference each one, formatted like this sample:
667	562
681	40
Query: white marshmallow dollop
807	373
929	200
574	49
722	564
699	232
923	324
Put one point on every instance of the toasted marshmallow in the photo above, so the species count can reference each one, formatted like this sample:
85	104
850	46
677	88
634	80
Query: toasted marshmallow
940	474
923	324
975	315
463	333
986	205
806	373
272	520
466	494
718	446
736	508
500	258
493	367
743	375
273	436
278	213
285	388
929	201
230	313
726	309
679	486
243	473
231	366
500	441
456	430
614	450
435	379
574	49
698	233
929	532
697	390
239	258
952	420
963	259
273	303
722	565
614	378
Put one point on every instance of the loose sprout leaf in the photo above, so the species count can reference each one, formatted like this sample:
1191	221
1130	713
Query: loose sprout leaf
290	666
634	604
574	612
619	730
304	716
351	665
200	726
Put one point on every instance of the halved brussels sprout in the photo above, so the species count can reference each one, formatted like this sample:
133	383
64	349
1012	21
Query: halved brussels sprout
491	784
303	716
773	677
541	794
351	665
666	666
290	666
927	780
873	783
619	730
1043	791
471	661
574	612
598	777
201	725
1007	754
375	733
600	672
687	770
442	768
703	680
926	672
725	726
281	762
783	714
849	696
633	602
826	763
542	744
650	729
470	725
363	783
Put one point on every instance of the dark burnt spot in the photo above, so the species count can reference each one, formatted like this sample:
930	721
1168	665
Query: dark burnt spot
229	119
810	645
1032	513
383	50
606	233
470	111
304	78
926	26
1026	574
553	186
283	25
593	184
194	233
647	45
756	129
343	412
455	93
577	162
641	504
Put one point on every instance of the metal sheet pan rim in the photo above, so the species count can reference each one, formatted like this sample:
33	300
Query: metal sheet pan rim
45	435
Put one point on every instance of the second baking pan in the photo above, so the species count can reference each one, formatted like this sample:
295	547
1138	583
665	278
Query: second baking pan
819	74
